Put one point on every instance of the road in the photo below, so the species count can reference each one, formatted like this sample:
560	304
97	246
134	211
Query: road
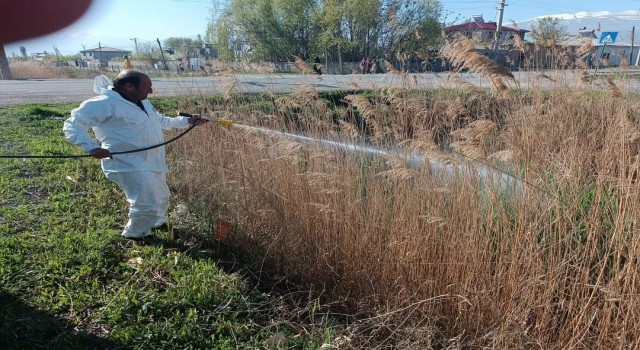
77	90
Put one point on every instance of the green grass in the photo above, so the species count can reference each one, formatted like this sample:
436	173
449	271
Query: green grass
67	281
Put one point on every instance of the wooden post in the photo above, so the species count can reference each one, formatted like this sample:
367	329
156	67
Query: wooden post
5	72
633	38
600	57
162	53
100	55
339	60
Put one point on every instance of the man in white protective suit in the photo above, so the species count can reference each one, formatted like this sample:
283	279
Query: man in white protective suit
122	119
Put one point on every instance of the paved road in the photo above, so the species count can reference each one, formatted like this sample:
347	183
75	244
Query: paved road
77	90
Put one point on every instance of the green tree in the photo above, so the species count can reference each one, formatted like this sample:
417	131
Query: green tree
547	31
183	47
410	25
361	25
224	37
379	27
294	17
217	10
272	30
23	52
328	36
277	29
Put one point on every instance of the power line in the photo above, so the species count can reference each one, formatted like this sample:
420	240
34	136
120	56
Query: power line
542	6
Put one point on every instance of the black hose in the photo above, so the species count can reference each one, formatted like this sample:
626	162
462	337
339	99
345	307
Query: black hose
112	153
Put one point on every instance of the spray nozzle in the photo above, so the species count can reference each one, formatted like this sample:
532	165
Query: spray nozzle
225	122
220	121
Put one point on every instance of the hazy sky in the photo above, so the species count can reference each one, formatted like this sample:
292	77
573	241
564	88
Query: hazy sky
521	10
114	23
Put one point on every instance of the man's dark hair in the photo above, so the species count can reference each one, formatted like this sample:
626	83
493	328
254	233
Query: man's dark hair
134	79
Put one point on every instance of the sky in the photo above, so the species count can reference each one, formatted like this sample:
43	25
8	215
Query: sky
522	10
114	23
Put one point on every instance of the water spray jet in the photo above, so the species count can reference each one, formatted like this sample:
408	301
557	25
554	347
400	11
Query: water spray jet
490	178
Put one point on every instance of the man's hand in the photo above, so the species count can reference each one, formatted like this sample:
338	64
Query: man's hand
197	121
100	153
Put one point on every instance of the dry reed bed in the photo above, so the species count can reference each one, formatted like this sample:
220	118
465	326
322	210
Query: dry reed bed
424	262
48	70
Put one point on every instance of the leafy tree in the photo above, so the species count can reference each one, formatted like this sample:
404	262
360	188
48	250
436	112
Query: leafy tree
294	17
328	36
23	52
183	47
547	31
224	37
277	29
410	25
217	10
361	25
271	29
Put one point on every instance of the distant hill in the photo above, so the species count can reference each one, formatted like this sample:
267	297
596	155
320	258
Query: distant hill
604	21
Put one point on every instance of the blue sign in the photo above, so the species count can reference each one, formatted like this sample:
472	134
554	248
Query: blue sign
608	37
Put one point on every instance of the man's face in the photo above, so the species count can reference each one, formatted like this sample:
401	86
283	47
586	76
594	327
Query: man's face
143	90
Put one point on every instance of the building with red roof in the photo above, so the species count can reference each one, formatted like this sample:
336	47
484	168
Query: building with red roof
483	33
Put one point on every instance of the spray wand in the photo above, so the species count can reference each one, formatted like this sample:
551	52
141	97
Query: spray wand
220	121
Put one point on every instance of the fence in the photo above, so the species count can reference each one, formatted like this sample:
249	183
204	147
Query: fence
215	67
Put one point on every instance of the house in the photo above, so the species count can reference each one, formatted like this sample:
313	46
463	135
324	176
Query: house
618	53
566	52
483	33
101	56
569	50
39	56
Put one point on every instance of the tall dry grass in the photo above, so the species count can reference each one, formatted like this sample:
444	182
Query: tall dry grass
48	70
421	261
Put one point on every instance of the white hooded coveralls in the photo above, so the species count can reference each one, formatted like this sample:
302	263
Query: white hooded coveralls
120	125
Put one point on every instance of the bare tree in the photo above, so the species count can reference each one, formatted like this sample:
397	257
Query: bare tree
148	52
548	31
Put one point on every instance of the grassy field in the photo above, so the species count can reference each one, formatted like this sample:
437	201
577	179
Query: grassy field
69	282
335	249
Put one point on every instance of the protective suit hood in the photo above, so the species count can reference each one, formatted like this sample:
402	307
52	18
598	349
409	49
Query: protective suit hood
101	84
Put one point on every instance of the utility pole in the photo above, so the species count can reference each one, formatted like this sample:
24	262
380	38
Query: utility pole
339	60
58	54
100	55
135	42
5	72
633	38
496	43
162	53
638	56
